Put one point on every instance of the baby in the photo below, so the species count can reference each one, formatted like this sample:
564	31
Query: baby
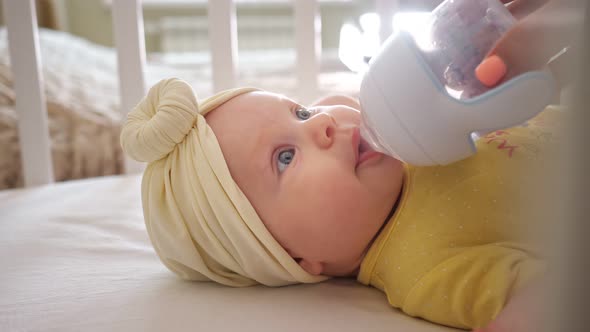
249	187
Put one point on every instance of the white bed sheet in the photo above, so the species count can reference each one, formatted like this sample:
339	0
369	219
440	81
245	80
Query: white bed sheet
75	256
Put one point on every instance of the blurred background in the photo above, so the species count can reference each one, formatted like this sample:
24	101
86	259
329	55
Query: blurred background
180	26
80	77
176	31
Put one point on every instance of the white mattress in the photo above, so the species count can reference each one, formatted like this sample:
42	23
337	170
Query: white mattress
75	257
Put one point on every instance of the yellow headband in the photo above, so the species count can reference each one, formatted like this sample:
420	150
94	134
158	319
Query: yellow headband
200	223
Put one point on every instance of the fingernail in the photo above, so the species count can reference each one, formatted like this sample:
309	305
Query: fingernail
491	70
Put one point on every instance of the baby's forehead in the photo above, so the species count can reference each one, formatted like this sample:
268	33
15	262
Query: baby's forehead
249	113
265	96
256	103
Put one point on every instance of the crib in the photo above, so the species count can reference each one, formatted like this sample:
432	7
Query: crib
81	259
75	255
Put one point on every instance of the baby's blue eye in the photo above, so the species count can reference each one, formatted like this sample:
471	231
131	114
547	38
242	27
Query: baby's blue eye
303	113
284	158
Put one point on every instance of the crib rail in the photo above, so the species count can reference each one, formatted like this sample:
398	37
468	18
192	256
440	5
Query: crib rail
21	27
130	45
223	37
308	45
129	41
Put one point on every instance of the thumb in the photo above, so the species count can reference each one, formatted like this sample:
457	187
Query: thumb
533	41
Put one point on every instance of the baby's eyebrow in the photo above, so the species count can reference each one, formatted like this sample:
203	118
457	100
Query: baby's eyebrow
291	103
267	168
287	102
263	152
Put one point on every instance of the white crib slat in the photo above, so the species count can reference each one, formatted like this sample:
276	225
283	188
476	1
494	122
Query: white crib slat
224	44
21	24
130	44
385	9
308	43
129	41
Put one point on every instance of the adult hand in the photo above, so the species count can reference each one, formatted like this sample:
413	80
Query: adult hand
543	30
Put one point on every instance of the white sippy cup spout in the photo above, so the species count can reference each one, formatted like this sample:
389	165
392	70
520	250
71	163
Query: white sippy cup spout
387	99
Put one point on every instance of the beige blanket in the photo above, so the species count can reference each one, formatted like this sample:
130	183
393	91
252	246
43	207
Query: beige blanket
81	105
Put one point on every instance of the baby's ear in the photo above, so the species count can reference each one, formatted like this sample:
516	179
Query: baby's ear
313	268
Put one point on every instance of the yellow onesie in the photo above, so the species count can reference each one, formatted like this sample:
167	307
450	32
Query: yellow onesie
463	237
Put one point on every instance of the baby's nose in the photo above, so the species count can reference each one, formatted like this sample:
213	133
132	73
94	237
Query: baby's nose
322	127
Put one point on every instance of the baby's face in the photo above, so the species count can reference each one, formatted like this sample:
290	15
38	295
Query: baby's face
318	188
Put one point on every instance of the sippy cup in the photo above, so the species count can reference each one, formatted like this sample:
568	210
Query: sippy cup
421	100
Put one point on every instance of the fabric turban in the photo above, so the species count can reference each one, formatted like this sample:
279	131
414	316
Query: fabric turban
199	221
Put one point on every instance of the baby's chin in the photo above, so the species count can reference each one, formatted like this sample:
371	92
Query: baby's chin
392	159
384	169
395	172
396	165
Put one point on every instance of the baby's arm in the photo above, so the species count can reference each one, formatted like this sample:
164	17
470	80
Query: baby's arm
471	288
337	100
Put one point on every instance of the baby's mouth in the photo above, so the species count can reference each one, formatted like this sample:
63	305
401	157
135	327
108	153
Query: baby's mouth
365	152
363	147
